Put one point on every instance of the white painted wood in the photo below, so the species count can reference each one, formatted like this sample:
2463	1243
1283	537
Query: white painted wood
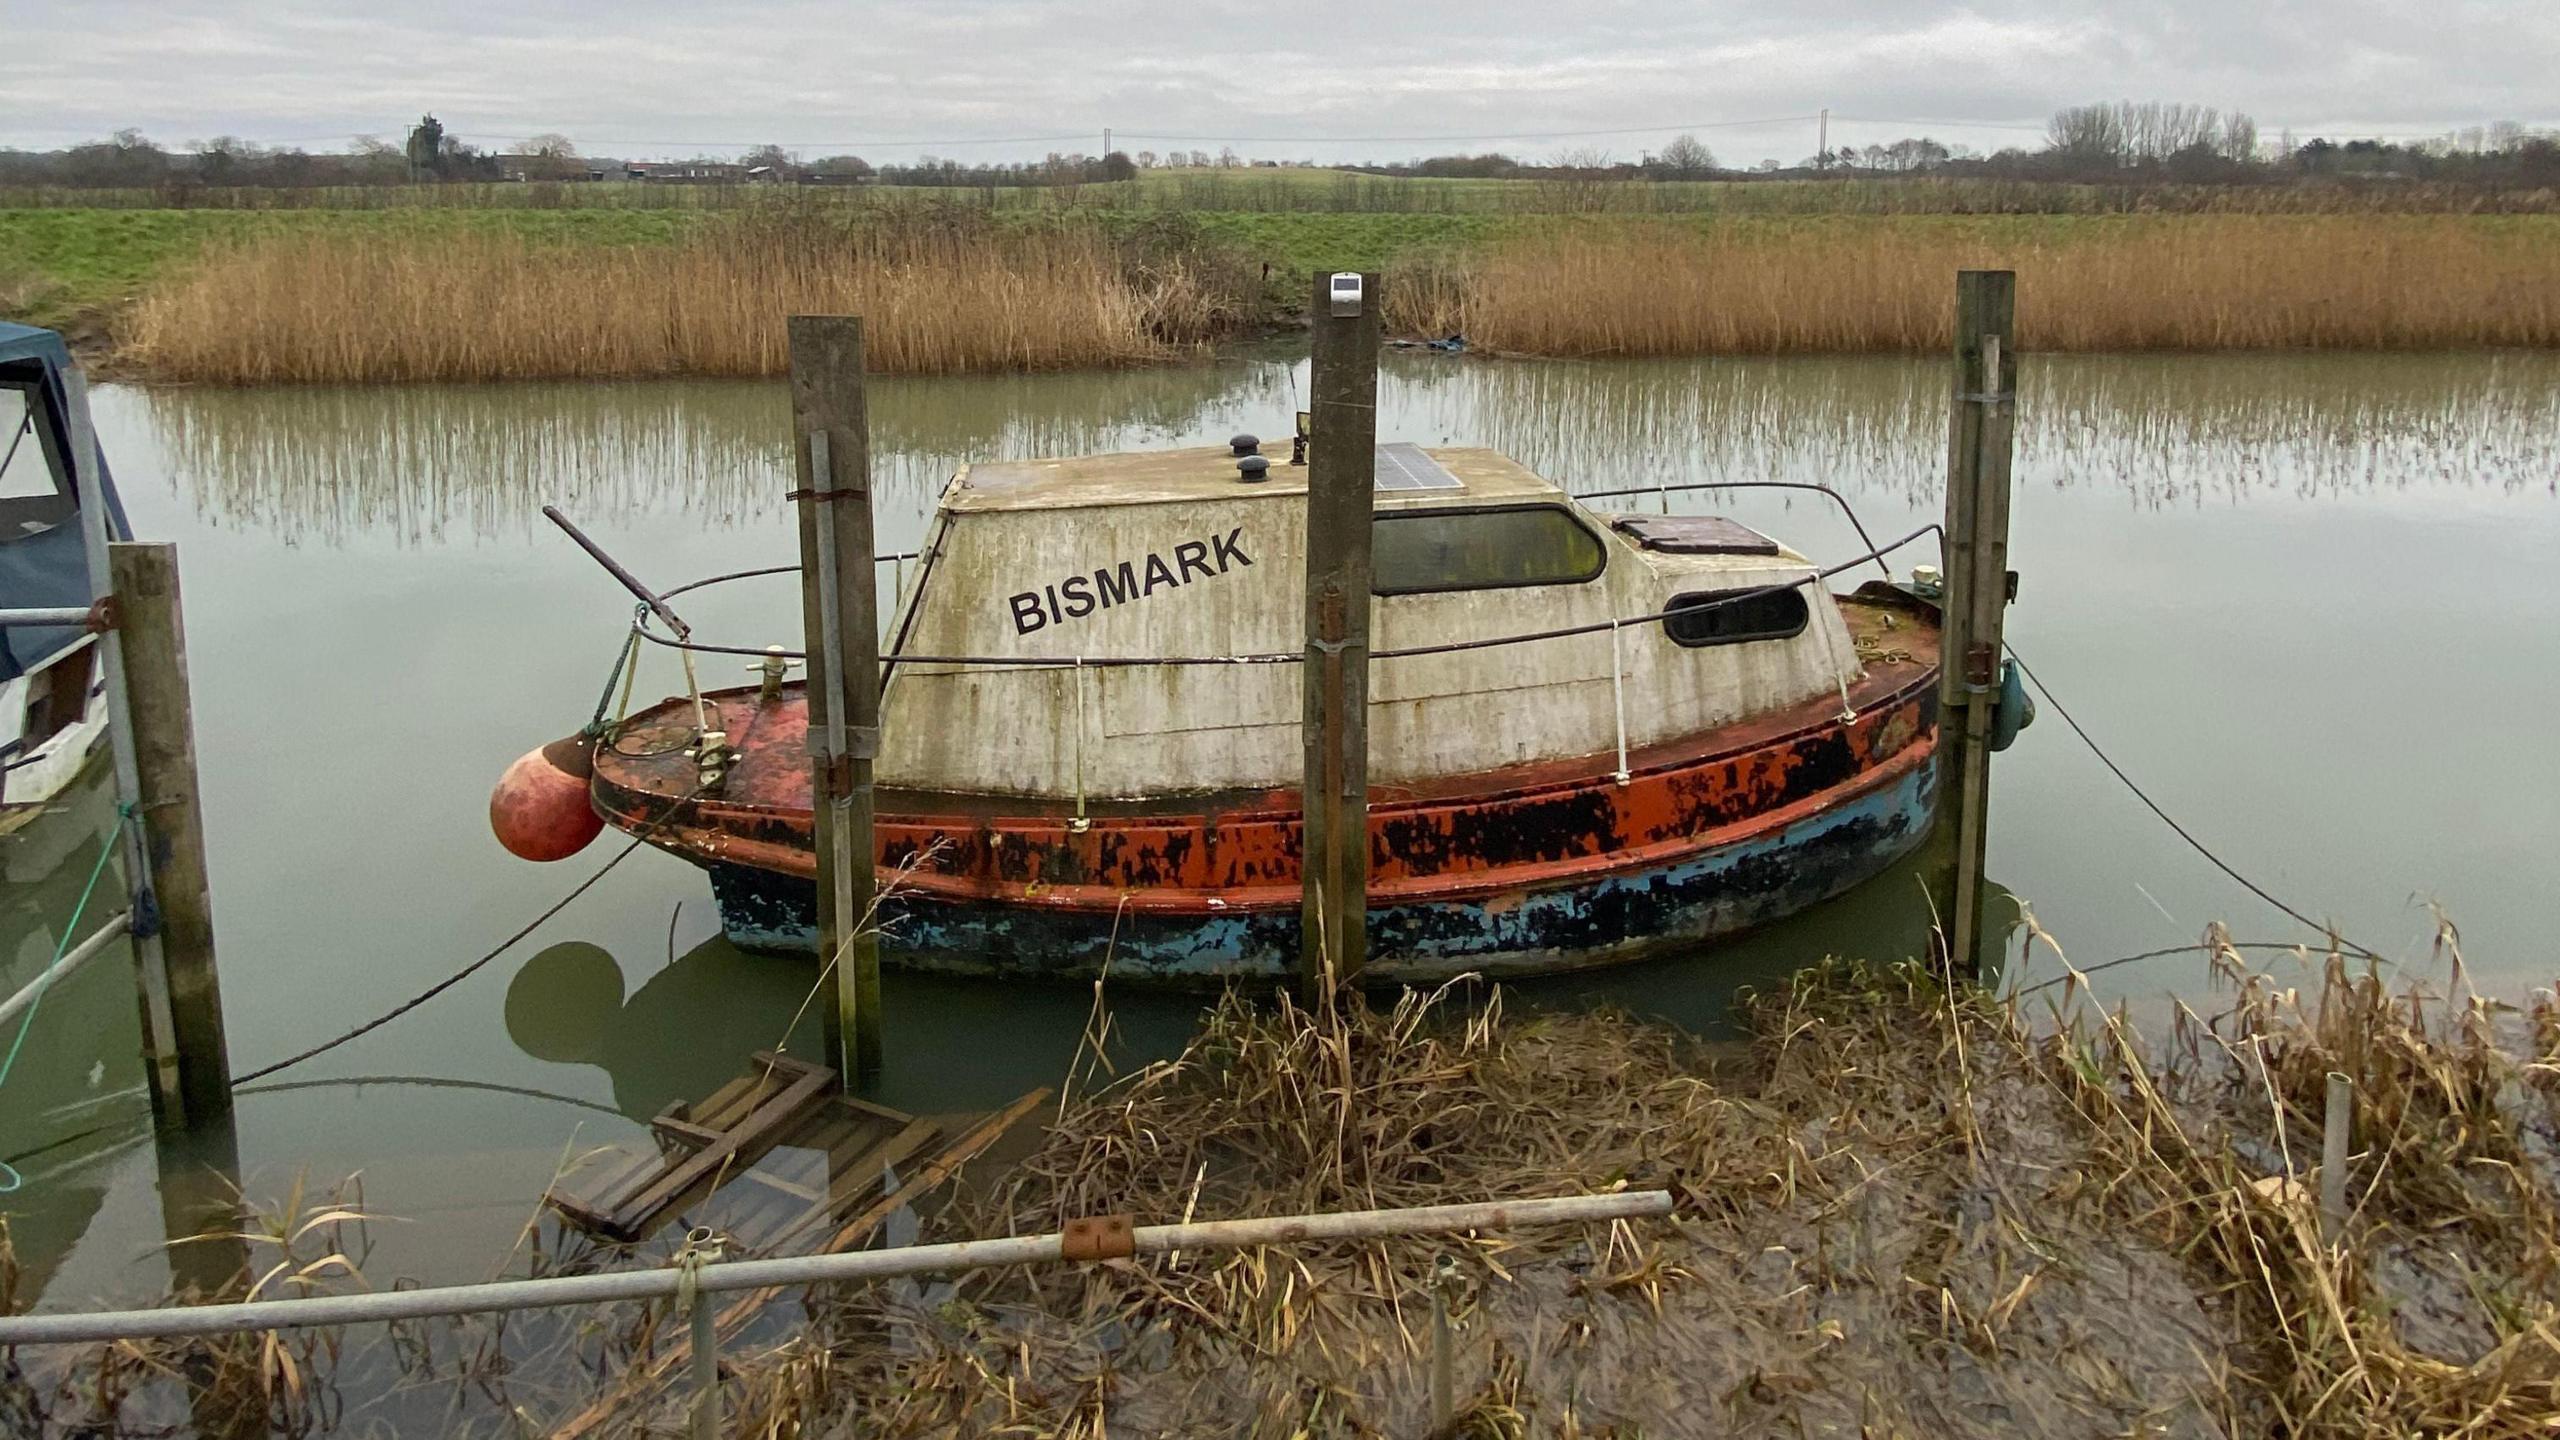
1156	730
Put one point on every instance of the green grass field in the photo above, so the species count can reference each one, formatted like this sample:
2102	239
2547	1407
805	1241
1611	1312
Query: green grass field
77	267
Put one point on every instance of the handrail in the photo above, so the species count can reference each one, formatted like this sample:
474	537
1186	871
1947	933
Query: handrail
640	627
1820	489
1085	1242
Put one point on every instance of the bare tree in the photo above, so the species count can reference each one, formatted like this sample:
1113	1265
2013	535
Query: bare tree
553	157
1685	158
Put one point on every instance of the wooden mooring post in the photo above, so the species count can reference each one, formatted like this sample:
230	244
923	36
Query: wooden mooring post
838	611
1979	586
190	1065
1341	488
151	739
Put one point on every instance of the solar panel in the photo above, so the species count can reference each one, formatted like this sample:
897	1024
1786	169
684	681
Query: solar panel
1404	466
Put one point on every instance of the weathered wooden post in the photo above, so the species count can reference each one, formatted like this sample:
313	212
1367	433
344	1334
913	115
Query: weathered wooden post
151	738
1341	486
190	1065
1978	589
832	444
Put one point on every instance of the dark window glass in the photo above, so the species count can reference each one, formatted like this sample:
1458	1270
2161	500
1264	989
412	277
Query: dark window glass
1416	551
1729	617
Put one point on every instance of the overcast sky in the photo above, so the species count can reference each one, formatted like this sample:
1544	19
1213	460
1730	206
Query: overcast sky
1384	79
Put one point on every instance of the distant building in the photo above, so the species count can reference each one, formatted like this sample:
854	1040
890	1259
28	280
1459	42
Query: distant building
550	167
690	172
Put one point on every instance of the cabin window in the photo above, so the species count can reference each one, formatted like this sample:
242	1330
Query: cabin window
1731	617
26	460
1417	552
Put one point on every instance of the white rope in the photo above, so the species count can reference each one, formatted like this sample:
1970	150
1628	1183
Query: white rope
1831	657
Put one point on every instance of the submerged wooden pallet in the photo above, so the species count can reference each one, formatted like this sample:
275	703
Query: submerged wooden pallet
839	1148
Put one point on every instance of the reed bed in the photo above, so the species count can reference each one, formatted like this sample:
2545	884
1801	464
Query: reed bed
1906	1213
2182	283
942	292
1903	1212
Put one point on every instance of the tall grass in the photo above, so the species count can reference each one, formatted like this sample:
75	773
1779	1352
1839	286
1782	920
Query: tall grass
2185	283
943	292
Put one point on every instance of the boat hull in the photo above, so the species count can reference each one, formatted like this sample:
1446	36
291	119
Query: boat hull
1545	866
1770	869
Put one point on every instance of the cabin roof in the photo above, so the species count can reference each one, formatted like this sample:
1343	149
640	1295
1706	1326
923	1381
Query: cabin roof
1208	472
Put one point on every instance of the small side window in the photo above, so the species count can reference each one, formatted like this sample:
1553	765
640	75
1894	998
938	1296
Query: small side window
1419	551
1731	617
26	460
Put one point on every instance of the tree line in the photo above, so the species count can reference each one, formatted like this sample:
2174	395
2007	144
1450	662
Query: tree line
2117	142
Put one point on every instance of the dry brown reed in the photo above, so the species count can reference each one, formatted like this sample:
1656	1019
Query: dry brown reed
2151	283
942	292
2436	1310
1903	1212
1909	1213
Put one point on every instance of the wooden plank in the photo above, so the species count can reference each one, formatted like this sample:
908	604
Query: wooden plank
738	1147
648	1375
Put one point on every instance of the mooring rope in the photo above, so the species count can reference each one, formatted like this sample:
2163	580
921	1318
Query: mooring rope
2183	833
638	838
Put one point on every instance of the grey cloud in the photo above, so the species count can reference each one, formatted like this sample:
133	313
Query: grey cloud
655	77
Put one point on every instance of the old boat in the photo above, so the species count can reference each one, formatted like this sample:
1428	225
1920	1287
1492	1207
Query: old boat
53	712
1718	741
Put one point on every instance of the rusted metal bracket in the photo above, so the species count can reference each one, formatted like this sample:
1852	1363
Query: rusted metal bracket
1098	1237
1981	666
104	615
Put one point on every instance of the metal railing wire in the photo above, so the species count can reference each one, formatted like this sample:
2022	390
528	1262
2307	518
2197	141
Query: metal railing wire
640	627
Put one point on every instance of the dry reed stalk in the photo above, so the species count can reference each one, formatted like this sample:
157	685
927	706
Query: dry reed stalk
2155	283
937	298
1909	1213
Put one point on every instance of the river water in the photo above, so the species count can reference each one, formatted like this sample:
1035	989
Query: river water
2309	602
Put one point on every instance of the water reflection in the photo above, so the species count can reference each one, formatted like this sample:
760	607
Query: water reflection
2163	429
430	464
74	1093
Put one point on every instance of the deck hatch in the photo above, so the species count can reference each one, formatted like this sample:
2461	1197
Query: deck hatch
1406	466
1694	535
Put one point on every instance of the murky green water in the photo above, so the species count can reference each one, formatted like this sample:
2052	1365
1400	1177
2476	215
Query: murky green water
2310	602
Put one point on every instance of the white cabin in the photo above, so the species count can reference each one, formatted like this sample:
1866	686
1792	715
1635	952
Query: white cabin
1172	553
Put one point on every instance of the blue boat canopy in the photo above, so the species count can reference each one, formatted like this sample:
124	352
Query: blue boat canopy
43	557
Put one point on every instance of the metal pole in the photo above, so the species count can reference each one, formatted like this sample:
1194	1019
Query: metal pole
1341	504
1977	597
839	612
116	927
44	618
1444	1384
2336	1132
379	1305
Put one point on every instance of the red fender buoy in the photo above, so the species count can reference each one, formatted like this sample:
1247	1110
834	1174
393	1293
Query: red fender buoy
540	810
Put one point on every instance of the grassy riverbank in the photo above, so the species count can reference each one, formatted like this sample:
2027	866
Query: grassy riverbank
1901	1212
244	296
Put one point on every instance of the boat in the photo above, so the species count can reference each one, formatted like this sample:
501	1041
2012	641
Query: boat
1593	736
53	710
